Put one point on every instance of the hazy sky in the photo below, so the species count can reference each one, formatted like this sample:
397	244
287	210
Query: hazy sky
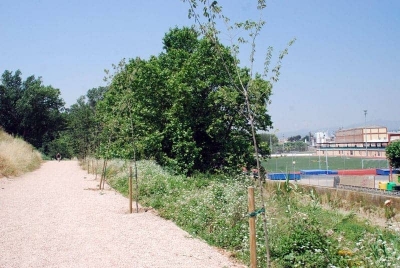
346	58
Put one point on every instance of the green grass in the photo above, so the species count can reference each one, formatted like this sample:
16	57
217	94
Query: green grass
285	163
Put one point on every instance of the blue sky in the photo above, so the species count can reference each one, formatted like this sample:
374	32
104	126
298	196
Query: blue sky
345	59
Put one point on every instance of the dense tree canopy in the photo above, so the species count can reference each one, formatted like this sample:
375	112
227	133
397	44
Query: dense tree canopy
81	136
294	138
30	110
10	92
183	108
393	154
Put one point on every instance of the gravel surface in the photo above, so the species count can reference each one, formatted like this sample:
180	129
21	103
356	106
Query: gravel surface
54	217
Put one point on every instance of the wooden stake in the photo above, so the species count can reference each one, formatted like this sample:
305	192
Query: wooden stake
130	189
97	166
105	170
102	173
137	189
252	228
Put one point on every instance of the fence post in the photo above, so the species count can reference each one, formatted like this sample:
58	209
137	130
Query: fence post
130	189
252	227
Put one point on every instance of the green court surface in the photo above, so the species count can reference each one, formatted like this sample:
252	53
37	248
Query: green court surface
297	162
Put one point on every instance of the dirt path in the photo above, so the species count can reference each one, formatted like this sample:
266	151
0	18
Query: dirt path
49	218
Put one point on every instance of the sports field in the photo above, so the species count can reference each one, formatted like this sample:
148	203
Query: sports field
297	163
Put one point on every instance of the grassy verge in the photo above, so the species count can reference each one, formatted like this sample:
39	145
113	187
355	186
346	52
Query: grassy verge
16	156
303	232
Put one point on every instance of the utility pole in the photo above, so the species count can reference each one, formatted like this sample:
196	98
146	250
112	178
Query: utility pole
365	130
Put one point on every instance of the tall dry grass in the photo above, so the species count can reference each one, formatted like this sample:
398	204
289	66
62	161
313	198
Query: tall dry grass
16	156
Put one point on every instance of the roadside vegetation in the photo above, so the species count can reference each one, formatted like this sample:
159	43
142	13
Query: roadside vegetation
305	229
16	156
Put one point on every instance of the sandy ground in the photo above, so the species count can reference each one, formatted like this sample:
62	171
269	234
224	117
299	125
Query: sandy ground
52	218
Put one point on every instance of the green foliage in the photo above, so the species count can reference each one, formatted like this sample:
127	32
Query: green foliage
30	109
303	234
351	227
11	91
303	244
393	153
82	135
210	206
268	138
376	250
294	138
182	108
180	39
61	145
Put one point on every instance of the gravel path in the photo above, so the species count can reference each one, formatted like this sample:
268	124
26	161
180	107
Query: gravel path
52	218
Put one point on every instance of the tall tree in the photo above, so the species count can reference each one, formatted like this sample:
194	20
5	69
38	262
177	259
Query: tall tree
40	108
183	108
30	109
83	130
10	92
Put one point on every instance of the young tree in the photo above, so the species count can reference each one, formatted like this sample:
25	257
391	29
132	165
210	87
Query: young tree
207	19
